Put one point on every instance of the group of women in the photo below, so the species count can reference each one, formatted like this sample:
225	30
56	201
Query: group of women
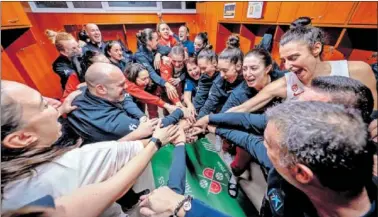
207	83
231	81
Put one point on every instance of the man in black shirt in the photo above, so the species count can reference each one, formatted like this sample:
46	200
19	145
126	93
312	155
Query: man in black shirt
67	47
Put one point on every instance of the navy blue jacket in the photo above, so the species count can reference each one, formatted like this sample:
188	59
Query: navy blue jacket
219	92
97	119
146	58
94	47
125	52
249	122
249	137
252	143
266	42
121	64
204	84
63	67
189	47
242	93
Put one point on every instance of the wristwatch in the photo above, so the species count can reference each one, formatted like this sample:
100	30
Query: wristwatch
156	141
186	204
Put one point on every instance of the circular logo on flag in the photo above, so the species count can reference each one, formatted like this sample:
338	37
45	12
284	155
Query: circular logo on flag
219	176
204	183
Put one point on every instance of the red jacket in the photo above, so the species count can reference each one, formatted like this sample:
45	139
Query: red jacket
170	42
166	71
139	93
71	85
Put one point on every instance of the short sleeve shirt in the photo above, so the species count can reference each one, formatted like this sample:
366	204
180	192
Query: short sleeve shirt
92	163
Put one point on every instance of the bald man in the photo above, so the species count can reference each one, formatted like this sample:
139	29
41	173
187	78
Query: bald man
97	44
106	112
94	34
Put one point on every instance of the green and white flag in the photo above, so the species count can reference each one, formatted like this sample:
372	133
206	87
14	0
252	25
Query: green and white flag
207	177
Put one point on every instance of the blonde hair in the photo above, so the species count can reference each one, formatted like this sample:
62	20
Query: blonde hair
57	37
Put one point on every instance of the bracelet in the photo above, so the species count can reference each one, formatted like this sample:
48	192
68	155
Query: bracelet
179	205
157	142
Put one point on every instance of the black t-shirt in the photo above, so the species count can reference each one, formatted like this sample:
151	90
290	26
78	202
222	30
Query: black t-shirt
285	200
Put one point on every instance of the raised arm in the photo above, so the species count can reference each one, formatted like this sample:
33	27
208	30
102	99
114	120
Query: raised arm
173	118
177	172
238	96
188	98
252	143
252	123
274	89
201	95
93	199
143	95
212	101
131	108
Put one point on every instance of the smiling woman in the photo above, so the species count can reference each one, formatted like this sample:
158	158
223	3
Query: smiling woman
301	50
32	162
113	50
166	35
138	80
29	128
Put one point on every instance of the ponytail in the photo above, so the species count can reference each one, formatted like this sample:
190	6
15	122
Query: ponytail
233	41
143	36
57	37
232	52
51	35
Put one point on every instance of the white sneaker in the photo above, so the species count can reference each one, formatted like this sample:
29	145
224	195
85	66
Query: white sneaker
227	158
218	143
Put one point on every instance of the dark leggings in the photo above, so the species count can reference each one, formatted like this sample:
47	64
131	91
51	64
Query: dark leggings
177	173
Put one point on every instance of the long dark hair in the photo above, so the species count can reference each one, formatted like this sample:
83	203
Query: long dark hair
82	64
132	71
301	21
20	163
205	40
109	46
307	34
143	36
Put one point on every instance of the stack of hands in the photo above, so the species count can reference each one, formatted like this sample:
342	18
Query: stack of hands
160	202
193	128
188	128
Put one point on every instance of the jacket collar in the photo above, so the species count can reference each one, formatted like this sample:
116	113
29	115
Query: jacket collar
95	99
64	58
144	49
